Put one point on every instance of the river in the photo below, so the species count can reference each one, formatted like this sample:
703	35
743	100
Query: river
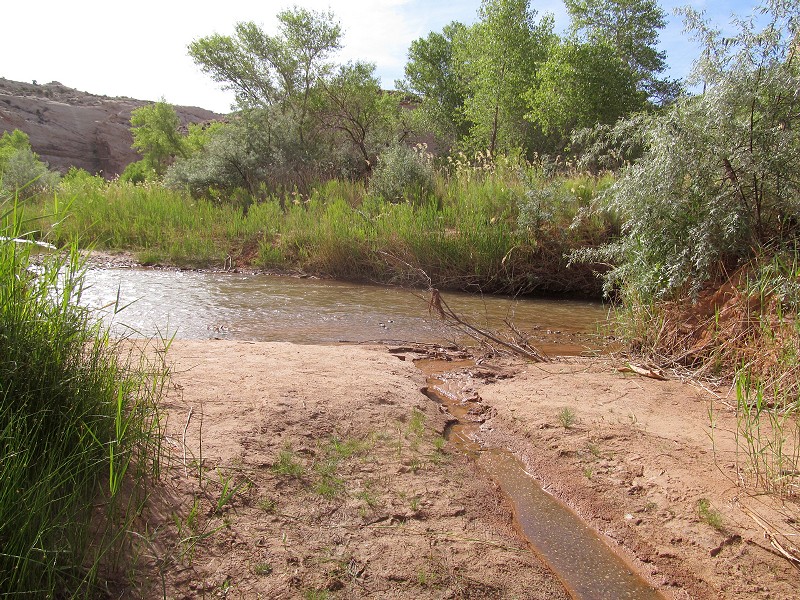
199	305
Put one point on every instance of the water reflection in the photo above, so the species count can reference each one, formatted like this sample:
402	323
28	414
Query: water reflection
196	305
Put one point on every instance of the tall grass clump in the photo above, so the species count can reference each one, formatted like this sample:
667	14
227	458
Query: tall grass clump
79	431
767	436
488	225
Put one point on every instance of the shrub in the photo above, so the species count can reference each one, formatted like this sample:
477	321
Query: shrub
25	175
402	174
719	181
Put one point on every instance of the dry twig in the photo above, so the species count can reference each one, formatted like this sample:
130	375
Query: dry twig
437	305
185	427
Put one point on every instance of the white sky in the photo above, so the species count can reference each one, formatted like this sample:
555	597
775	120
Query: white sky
138	48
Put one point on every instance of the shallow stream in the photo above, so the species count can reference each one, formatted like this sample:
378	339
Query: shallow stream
197	305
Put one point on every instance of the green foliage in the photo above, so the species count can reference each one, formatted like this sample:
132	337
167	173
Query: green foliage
468	238
288	465
21	172
304	119
354	106
581	85
11	143
258	152
432	74
199	135
79	181
498	57
767	429
567	417
266	70
138	172
156	137
631	28
718	182
550	202
402	174
708	514
76	421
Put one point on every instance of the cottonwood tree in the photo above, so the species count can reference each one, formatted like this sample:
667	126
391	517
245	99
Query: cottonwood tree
498	58
274	71
432	75
582	85
630	27
156	136
353	105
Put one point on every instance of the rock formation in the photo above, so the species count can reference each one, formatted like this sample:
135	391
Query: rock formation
72	128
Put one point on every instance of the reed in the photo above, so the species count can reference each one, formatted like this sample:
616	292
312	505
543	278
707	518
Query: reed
79	430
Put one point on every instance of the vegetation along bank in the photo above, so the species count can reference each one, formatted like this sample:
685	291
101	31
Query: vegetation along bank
505	163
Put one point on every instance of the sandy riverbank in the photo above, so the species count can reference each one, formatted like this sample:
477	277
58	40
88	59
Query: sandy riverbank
344	486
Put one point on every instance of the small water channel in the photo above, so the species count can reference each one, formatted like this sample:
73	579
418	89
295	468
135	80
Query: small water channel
587	567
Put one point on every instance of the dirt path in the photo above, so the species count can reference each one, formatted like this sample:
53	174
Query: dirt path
324	475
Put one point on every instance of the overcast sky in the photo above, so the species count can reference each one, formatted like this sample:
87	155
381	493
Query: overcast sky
138	49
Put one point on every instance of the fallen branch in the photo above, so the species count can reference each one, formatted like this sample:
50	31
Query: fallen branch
437	305
643	371
792	554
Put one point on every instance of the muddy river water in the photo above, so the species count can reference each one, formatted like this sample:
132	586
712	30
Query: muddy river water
194	305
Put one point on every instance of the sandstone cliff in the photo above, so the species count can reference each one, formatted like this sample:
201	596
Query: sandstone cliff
72	128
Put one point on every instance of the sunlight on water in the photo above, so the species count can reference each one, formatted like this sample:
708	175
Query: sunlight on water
196	305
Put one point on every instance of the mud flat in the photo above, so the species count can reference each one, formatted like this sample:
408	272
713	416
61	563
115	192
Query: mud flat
321	472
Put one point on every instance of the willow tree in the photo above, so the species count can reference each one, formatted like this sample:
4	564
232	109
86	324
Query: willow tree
719	182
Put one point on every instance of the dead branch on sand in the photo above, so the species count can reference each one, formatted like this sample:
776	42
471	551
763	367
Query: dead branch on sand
791	554
651	372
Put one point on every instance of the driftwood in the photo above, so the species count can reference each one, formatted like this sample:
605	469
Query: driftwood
643	371
437	305
791	553
23	241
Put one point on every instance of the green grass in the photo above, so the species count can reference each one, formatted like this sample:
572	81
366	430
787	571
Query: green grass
709	515
466	236
329	484
78	426
288	465
767	435
567	417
